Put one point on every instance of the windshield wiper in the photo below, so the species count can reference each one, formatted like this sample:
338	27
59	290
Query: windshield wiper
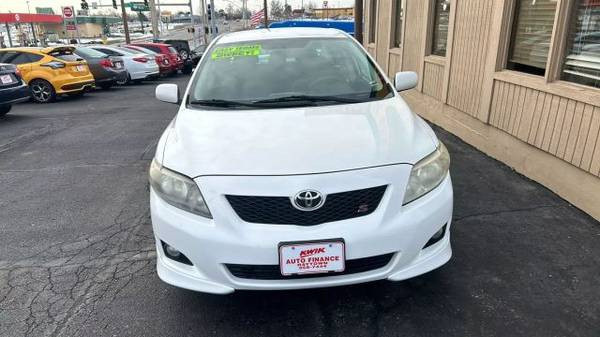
220	103
309	98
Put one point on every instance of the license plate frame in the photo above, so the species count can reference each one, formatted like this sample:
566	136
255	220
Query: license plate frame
310	265
6	79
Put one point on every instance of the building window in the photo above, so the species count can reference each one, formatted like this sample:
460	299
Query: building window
582	60
531	34
372	20
397	24
440	27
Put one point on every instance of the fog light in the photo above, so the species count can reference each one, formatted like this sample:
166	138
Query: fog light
174	254
436	237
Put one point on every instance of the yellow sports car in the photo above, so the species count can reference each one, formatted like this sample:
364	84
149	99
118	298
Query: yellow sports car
50	71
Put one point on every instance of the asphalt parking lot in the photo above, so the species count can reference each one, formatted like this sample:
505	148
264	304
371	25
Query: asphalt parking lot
77	259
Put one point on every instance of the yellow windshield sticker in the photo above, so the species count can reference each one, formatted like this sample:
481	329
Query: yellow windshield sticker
238	51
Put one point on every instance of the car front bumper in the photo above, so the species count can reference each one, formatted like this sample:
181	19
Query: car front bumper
211	244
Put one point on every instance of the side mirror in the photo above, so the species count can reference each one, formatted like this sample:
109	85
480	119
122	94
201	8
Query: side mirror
406	80
167	93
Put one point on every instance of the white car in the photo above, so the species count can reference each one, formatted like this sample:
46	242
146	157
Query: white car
293	163
139	66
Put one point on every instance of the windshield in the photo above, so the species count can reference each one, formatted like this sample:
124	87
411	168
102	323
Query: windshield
294	70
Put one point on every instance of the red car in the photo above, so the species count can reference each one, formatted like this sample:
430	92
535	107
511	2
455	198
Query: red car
175	60
164	65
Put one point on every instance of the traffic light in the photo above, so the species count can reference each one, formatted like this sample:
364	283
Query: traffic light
115	4
84	5
208	11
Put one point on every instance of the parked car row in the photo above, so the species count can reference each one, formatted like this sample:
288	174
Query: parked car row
42	74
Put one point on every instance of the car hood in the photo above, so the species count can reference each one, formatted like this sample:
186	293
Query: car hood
295	140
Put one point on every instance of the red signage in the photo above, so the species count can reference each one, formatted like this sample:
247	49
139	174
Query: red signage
27	18
67	12
71	27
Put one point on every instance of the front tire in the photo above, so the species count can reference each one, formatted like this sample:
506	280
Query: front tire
4	109
42	91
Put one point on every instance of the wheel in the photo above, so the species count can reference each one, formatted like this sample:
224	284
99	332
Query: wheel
124	81
42	91
184	54
4	109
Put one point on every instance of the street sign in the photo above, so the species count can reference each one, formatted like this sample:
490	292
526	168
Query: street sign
138	7
68	12
71	27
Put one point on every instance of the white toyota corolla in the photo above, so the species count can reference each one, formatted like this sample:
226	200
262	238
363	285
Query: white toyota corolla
294	163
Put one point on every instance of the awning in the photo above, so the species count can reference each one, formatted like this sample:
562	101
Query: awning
30	18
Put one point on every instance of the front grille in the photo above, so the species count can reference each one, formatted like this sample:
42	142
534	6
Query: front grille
279	210
272	272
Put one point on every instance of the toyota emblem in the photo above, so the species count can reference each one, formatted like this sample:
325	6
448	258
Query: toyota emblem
308	200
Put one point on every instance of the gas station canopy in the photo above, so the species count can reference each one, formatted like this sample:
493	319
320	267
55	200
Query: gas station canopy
30	18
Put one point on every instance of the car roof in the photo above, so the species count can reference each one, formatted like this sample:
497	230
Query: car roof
280	33
150	44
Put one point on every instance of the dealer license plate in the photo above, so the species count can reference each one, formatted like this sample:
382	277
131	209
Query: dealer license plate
311	257
6	79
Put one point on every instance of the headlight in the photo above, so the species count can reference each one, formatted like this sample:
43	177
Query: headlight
427	174
177	190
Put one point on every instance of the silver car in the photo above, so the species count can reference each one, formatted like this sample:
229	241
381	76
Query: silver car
139	66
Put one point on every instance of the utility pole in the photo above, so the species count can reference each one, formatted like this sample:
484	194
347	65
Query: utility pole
358	20
213	20
154	18
160	17
8	33
267	14
125	25
204	20
193	26
244	4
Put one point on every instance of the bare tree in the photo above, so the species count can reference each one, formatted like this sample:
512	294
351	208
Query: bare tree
276	9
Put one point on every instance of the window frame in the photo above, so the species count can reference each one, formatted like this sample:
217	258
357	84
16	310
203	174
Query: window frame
394	24
562	43
552	81
512	30
432	26
373	14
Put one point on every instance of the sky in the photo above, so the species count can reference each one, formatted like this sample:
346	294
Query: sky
20	6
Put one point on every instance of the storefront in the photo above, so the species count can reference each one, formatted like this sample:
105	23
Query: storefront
518	79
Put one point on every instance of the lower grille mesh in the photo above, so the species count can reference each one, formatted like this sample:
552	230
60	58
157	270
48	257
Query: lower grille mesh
272	272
